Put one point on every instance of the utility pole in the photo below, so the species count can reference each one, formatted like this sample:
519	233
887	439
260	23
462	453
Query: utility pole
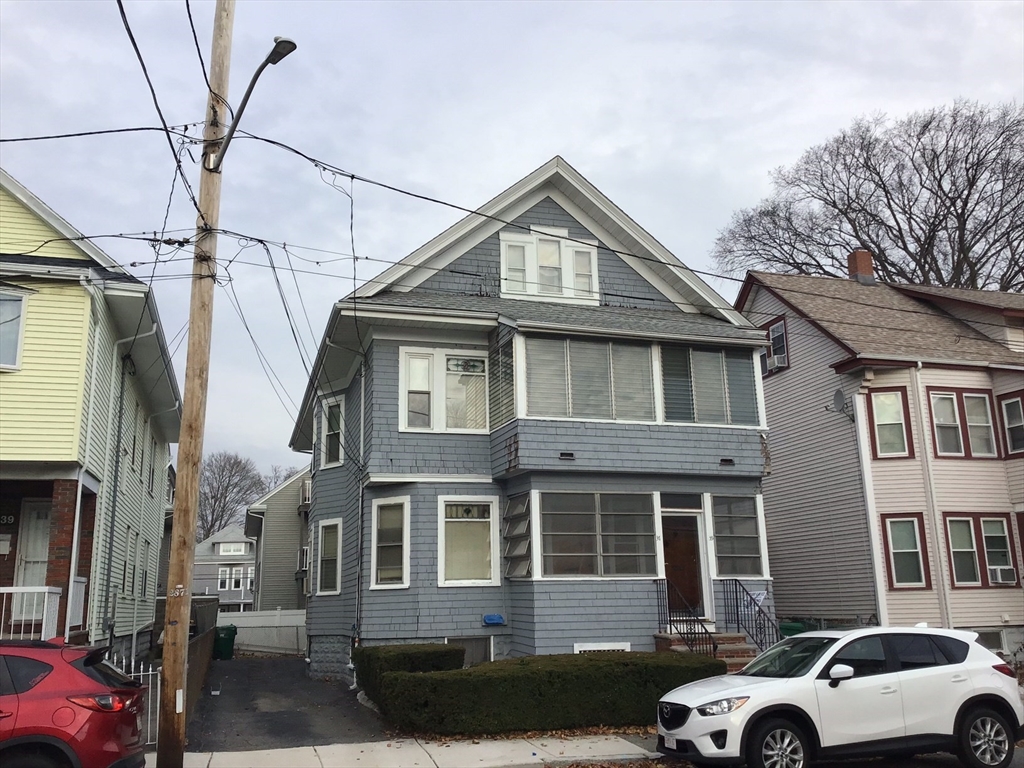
171	743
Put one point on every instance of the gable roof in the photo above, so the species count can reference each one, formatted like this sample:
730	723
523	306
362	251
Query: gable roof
641	250
261	502
881	321
231	534
1008	303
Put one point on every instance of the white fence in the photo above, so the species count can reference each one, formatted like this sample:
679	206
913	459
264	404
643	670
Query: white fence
268	631
148	675
29	613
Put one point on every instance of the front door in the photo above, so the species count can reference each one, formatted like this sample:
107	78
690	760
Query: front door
681	536
33	555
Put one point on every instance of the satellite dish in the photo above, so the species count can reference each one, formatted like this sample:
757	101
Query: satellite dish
838	401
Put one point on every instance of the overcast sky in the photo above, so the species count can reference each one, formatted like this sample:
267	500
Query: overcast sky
677	111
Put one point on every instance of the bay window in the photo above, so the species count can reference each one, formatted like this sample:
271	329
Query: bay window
963	551
980	549
467	541
443	390
332	424
517	536
888	410
776	356
1013	424
962	424
597	534
708	386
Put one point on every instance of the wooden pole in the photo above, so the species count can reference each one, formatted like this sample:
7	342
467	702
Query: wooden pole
171	743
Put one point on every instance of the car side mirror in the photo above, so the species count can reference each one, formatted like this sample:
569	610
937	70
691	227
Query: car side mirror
838	673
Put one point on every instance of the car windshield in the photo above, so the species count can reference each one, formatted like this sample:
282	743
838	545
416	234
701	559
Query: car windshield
790	658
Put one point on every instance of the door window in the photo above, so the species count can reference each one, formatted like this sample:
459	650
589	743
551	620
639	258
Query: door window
866	656
916	651
26	674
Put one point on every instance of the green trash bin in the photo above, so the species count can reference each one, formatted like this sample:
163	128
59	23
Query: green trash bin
224	642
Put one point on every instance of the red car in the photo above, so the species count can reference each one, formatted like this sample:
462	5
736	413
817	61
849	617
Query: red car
63	706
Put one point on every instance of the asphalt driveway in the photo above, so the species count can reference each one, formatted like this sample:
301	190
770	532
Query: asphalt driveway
269	703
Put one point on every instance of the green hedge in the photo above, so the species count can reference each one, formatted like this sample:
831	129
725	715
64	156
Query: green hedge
372	662
540	692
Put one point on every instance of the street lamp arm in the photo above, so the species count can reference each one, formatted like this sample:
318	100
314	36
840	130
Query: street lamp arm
282	47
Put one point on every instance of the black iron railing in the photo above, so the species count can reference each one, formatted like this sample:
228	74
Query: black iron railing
744	613
678	618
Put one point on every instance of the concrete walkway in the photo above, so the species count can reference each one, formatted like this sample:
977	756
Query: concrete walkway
412	753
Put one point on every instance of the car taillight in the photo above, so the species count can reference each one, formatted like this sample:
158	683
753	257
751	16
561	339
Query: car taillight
1006	669
101	702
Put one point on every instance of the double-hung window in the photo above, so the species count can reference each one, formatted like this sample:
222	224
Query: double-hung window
980	550
468	543
332	425
708	385
545	263
597	534
236	577
737	536
251	579
963	550
776	356
389	547
998	560
962	422
223	576
905	549
1013	424
589	379
12	324
889	410
328	580
443	390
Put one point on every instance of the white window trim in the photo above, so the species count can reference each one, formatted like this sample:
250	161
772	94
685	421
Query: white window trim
228	548
325	403
376	505
23	295
959	426
240	578
495	579
1006	423
891	554
223	576
974	542
903	424
537	554
319	560
991	425
438	374
567	247
762	539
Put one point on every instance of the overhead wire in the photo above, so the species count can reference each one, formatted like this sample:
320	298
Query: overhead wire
202	62
174	130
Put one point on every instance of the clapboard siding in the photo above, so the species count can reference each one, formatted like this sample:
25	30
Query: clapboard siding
23	231
278	551
815	511
42	401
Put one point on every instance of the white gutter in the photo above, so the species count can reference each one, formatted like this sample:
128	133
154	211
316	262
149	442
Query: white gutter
938	530
861	427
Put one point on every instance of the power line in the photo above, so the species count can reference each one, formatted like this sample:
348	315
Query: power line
175	130
202	61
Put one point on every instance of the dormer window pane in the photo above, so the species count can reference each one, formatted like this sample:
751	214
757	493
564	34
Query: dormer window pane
515	268
549	271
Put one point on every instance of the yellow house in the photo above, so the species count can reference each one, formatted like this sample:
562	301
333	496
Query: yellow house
89	407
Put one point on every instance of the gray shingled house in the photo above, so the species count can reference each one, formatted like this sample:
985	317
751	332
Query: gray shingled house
225	566
538	433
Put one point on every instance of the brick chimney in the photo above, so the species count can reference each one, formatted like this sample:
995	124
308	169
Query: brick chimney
861	266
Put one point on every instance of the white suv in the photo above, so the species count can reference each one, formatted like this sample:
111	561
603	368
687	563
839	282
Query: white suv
874	691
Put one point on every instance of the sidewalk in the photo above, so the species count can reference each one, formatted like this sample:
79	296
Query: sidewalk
412	753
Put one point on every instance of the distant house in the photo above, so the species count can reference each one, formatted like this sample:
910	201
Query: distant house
279	525
897	486
225	566
88	410
539	433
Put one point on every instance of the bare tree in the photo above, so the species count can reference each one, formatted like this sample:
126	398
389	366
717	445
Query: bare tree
227	483
278	475
938	197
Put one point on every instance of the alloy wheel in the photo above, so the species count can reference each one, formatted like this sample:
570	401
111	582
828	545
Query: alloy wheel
782	749
989	741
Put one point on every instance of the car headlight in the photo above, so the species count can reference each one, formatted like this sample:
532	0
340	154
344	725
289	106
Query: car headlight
722	706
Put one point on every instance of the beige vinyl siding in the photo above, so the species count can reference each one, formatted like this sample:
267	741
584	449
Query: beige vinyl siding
23	231
42	401
1003	382
815	513
278	548
988	322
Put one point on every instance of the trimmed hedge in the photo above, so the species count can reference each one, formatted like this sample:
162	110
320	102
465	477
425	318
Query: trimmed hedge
372	662
540	692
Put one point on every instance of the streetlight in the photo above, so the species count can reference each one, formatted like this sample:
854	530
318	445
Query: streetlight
282	47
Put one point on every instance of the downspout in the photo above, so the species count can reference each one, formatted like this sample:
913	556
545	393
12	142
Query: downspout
108	620
945	613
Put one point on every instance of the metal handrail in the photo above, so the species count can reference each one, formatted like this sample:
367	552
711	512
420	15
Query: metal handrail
676	615
743	612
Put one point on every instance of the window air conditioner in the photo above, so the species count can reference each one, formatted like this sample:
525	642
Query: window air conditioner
1002	575
776	361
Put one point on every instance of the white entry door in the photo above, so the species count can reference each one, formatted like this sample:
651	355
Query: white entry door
33	555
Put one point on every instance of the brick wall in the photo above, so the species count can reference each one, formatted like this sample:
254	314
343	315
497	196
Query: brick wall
62	528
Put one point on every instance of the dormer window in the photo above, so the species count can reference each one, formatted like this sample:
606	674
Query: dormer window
544	264
232	548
